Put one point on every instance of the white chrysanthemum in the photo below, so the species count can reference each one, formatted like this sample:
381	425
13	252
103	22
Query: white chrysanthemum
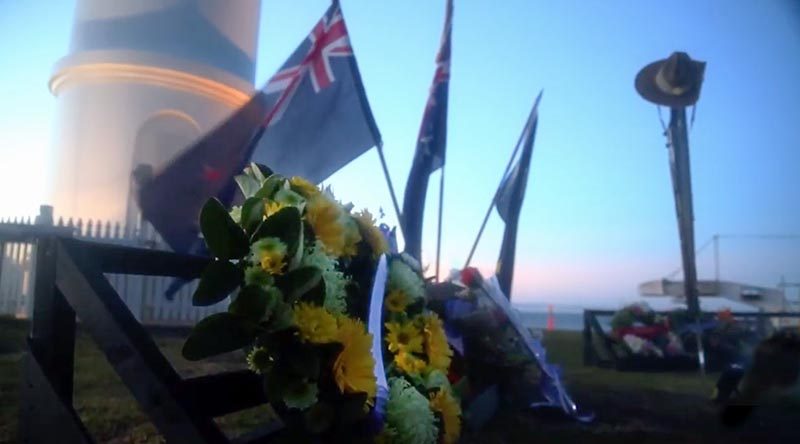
409	414
437	379
403	277
335	281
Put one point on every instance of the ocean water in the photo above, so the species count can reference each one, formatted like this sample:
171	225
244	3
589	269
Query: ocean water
569	321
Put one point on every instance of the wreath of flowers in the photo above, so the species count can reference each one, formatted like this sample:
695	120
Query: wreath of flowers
422	407
285	257
645	333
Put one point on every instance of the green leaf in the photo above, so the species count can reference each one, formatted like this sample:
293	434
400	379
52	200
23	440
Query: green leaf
224	237
248	184
219	279
260	172
285	225
217	334
276	381
271	186
252	213
251	303
319	417
351	408
304	361
296	283
282	317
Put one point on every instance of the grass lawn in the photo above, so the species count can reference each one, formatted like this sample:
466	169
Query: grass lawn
630	407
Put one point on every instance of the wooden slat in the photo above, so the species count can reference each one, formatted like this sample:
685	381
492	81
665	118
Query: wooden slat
45	416
129	348
223	393
130	260
53	323
758	314
29	233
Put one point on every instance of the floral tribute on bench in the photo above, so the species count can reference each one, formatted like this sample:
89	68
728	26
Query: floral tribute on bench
339	331
297	265
422	406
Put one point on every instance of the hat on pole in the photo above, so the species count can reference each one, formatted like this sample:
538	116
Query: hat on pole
674	82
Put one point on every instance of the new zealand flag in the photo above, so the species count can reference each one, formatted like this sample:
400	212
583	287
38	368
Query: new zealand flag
310	120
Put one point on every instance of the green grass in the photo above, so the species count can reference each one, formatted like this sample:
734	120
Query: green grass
630	407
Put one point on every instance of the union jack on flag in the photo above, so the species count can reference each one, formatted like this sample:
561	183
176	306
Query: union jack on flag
431	143
311	119
328	39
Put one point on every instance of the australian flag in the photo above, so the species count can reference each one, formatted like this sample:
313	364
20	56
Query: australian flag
310	120
431	143
509	199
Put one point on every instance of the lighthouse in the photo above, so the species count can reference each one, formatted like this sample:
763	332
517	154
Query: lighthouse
142	80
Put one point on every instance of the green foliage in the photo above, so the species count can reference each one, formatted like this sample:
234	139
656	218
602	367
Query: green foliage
219	279
225	239
303	282
270	186
252	303
217	334
248	184
252	213
284	225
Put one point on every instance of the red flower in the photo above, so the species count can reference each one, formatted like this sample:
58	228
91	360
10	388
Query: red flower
471	277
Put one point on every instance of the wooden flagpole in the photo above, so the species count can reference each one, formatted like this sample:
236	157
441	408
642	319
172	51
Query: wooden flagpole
439	228
391	189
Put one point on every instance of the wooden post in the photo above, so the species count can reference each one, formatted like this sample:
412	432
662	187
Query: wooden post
588	345
46	391
682	187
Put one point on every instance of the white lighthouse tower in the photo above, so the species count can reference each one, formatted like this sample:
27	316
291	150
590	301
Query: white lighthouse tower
142	80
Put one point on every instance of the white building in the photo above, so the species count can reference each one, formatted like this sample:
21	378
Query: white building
142	80
762	298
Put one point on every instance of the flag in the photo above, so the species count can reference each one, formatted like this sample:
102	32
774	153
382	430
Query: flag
310	119
431	143
508	201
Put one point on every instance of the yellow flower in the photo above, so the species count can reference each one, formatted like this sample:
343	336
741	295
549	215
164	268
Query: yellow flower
374	237
271	207
354	368
325	215
316	324
436	346
397	301
409	363
270	254
403	337
448	407
304	187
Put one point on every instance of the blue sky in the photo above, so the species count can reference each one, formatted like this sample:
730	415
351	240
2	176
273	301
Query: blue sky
598	216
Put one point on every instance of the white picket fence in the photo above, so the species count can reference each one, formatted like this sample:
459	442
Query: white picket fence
144	295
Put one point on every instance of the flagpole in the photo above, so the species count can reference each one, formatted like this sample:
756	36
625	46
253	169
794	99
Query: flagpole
439	228
494	198
491	204
391	189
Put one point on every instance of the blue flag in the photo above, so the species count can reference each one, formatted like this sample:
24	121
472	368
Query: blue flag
431	144
509	199
310	120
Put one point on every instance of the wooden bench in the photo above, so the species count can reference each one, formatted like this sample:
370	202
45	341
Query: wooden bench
70	281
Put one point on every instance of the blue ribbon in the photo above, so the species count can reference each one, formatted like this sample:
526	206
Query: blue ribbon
375	327
552	389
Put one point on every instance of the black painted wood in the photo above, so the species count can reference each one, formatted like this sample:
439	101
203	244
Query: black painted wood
46	417
223	393
129	349
53	322
129	260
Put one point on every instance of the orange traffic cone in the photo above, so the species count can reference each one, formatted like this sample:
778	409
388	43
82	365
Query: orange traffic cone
551	319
